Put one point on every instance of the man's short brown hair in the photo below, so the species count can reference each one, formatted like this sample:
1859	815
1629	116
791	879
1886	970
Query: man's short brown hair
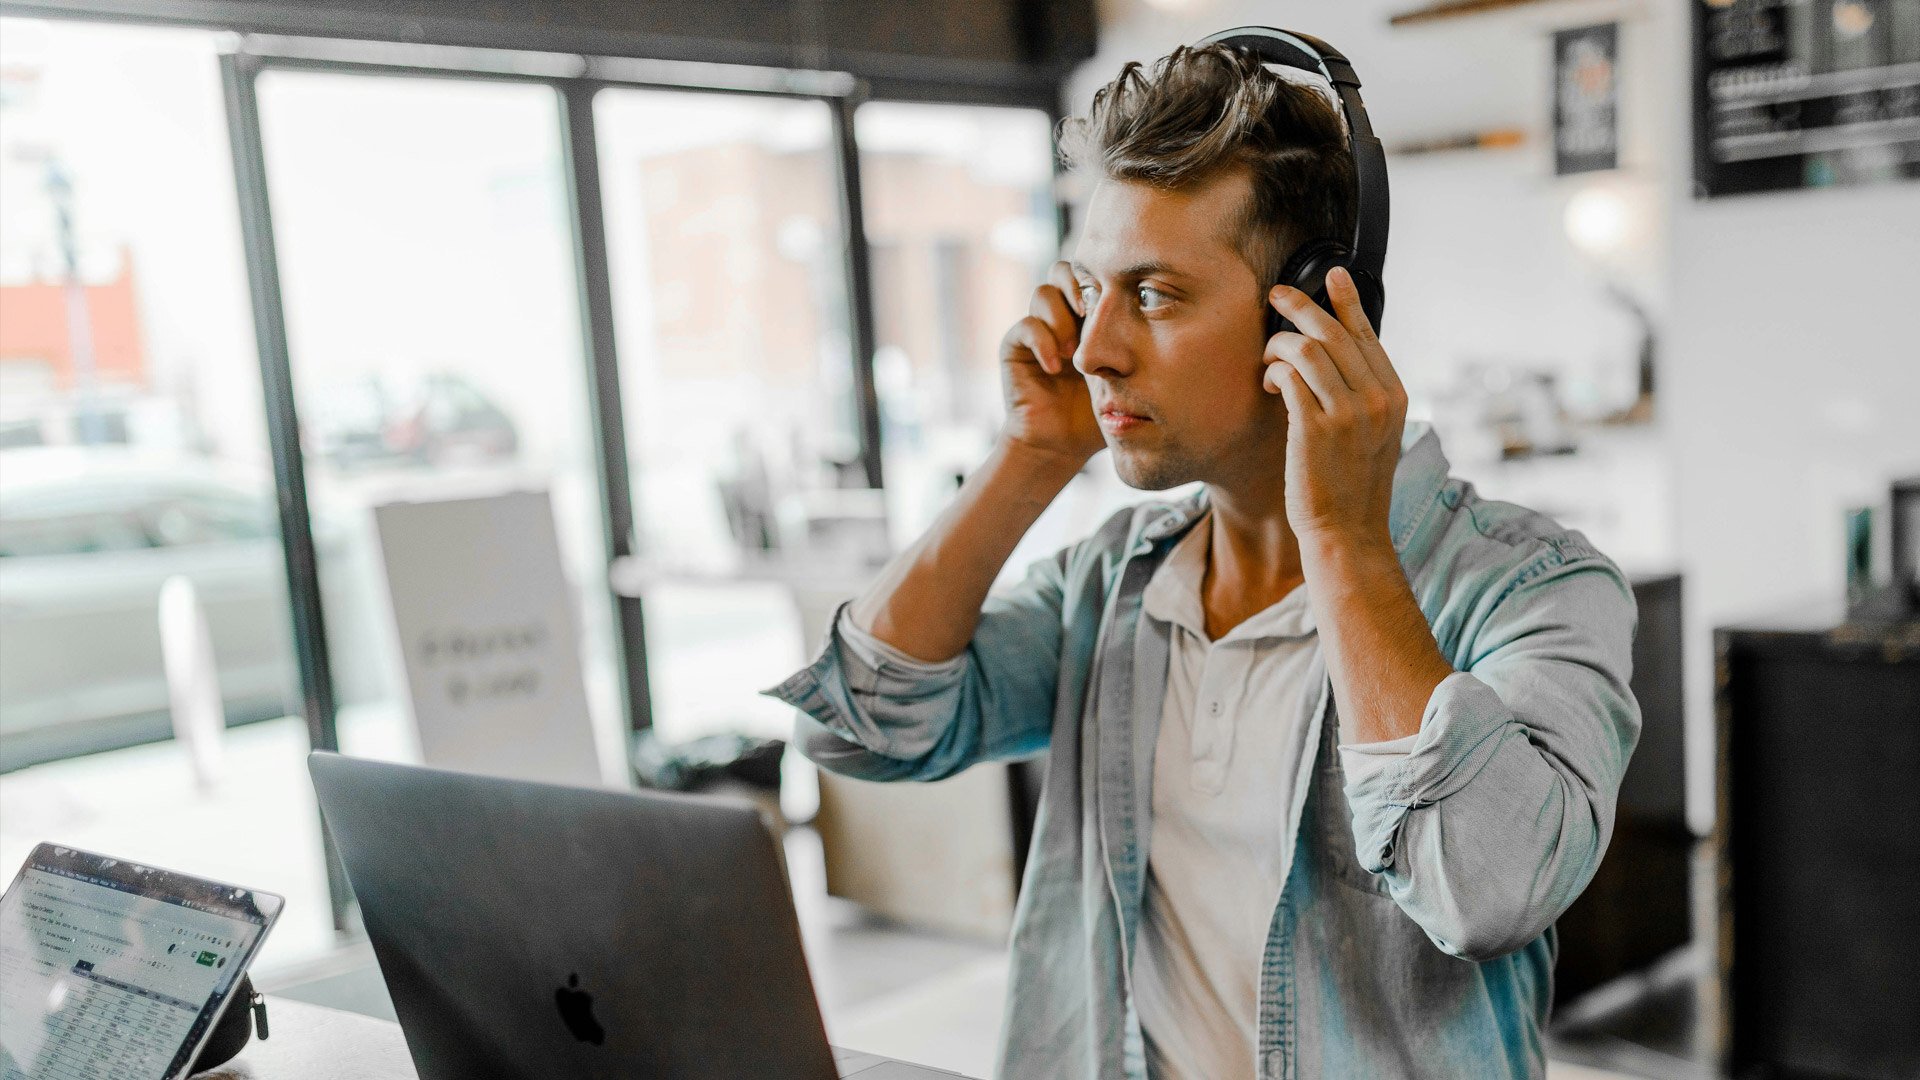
1202	110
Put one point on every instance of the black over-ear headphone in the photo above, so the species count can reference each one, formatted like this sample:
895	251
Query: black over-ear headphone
1366	255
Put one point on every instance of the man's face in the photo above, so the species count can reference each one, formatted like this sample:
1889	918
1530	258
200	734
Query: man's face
1173	334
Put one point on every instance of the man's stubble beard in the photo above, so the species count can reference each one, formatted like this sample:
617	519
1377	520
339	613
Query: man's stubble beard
1167	467
1174	462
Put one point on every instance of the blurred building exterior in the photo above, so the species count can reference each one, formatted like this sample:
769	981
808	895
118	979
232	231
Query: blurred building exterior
37	343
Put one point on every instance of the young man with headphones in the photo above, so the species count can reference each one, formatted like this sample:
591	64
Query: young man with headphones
1331	743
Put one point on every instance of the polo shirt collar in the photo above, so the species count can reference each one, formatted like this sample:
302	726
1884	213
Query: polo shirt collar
1173	595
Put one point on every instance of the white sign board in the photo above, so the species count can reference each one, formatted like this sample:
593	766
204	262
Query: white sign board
488	637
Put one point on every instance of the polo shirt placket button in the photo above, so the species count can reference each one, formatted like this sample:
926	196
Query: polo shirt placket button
1276	1064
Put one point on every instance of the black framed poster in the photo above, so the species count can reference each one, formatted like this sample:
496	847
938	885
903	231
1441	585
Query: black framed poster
1586	124
1804	93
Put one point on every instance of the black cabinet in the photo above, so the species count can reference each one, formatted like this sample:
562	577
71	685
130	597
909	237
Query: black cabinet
1816	913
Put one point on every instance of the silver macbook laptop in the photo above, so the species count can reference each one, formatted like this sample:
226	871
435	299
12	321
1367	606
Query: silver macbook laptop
532	930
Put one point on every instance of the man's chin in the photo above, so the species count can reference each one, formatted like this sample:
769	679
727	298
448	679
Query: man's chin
1147	472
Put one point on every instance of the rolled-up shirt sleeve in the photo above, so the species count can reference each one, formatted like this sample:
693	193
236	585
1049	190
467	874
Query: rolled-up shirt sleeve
878	673
1362	760
1496	817
873	652
871	711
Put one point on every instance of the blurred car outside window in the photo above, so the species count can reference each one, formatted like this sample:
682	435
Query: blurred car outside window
133	450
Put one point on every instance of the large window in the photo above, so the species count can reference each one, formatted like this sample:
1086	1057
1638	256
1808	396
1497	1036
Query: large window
426	265
728	275
960	220
960	216
133	452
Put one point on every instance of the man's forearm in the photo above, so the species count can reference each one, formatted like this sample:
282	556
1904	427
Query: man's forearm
927	601
1381	655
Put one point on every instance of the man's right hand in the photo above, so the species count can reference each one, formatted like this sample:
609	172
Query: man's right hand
1048	408
927	602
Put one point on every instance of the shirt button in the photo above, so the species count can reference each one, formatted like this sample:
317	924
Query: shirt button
1213	708
1275	1064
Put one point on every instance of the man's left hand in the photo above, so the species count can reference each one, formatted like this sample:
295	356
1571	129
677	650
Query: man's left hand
1345	412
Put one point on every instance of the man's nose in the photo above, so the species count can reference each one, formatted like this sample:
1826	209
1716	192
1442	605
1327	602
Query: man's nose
1105	348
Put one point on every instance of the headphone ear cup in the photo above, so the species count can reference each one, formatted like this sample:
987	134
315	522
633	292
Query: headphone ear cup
1307	271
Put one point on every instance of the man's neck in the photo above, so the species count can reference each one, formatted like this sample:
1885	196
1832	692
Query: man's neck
1253	557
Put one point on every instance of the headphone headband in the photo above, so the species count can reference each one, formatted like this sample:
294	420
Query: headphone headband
1316	57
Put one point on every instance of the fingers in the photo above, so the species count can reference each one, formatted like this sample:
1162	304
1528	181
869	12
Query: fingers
1340	360
1284	379
1373	406
1034	336
1060	276
1335	344
1309	359
1345	297
1052	308
1055	306
1300	310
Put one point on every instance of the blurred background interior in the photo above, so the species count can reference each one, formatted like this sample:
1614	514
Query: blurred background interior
723	282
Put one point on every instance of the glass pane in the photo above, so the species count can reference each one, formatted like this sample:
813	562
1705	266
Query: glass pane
960	218
427	268
728	278
133	451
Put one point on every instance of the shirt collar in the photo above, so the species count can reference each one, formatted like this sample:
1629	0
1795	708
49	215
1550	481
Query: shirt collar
1173	595
1288	617
1417	482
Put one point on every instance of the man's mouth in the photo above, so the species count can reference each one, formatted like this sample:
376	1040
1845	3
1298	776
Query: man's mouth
1117	421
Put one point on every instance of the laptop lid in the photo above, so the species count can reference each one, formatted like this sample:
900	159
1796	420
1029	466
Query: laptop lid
114	968
531	930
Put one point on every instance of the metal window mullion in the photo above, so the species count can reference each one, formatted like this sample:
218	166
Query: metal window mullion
859	277
1056	111
237	77
595	290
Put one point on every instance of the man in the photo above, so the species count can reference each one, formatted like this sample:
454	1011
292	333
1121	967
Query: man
1333	742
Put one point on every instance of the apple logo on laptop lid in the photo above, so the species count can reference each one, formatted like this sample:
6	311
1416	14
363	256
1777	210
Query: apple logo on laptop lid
576	1011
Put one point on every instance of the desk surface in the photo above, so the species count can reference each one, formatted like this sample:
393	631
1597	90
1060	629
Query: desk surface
313	1042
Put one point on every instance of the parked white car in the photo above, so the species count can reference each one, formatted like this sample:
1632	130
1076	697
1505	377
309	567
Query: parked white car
87	537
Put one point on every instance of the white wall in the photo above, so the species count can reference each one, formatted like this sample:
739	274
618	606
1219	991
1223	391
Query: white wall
1799	377
1791	387
1796	381
1790	382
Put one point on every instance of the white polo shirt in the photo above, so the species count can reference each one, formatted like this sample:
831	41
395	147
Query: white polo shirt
1232	735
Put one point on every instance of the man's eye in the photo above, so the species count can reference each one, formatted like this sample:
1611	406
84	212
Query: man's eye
1086	297
1151	298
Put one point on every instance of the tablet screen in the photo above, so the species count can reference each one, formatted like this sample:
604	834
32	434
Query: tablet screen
110	968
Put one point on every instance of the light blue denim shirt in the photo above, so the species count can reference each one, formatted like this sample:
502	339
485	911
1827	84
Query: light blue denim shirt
1414	935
